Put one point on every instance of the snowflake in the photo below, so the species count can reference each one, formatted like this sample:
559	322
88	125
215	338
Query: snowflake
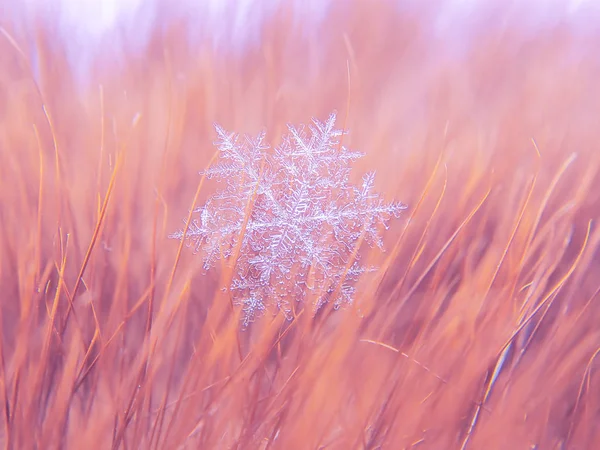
294	216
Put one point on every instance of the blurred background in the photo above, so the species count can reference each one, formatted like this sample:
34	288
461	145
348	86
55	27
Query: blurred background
89	27
481	329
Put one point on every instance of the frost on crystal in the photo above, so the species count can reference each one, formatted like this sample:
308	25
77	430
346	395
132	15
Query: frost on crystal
304	219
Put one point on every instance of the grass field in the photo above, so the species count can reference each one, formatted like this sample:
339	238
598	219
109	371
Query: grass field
480	329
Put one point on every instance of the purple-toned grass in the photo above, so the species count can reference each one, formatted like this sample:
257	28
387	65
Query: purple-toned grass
480	329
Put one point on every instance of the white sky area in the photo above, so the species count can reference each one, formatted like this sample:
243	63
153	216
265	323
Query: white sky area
90	19
101	15
97	16
86	25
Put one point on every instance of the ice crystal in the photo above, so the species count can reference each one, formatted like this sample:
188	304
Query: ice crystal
297	215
